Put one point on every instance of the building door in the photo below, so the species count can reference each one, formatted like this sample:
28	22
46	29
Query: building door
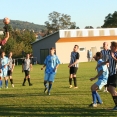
43	54
94	50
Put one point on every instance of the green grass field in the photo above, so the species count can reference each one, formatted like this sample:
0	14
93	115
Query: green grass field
31	101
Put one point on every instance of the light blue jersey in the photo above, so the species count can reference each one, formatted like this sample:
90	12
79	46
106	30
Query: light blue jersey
51	62
105	73
4	61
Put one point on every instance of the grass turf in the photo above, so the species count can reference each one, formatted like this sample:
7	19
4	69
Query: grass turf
31	101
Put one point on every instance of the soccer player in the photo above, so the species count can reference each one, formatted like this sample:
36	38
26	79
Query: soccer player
26	67
112	79
11	65
51	63
105	55
3	69
73	65
7	29
102	80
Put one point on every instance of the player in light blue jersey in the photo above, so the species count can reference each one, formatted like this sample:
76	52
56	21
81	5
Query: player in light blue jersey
102	80
3	69
51	63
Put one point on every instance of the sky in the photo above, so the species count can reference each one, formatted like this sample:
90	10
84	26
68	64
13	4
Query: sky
83	12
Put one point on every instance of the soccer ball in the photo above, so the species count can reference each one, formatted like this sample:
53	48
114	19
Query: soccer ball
6	20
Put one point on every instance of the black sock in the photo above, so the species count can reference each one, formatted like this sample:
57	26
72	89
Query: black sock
70	81
29	81
24	81
115	100
11	80
75	81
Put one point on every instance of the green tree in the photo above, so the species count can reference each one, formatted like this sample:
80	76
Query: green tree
59	21
110	21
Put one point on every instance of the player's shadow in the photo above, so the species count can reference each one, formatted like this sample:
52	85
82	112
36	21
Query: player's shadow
52	110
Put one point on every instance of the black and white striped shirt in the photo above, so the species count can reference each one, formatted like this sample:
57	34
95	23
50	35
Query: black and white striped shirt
112	64
105	54
74	57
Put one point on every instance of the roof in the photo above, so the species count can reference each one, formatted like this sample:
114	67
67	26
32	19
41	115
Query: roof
79	33
44	37
88	32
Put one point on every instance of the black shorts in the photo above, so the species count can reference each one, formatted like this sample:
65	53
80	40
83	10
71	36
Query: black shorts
73	70
112	80
26	72
9	73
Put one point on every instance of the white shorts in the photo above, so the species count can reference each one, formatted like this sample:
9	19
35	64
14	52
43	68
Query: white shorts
101	83
4	74
49	77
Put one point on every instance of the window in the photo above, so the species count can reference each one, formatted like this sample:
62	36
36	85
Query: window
82	49
101	48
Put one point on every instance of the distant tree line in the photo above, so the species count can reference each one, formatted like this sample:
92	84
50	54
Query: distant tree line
16	24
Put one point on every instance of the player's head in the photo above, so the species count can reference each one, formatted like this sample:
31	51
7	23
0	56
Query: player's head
27	55
98	56
105	45
2	53
52	50
113	46
75	48
10	54
6	20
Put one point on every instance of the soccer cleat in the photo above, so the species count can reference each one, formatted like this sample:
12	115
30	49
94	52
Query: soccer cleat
70	86
6	87
93	105
45	90
13	85
75	87
23	85
48	93
115	108
30	84
99	103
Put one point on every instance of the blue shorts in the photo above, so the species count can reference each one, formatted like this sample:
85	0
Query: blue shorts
101	83
49	77
4	74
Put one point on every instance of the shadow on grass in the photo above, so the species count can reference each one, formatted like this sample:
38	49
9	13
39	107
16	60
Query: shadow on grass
52	110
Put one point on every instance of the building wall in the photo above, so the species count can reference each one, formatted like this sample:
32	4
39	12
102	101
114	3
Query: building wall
45	43
64	49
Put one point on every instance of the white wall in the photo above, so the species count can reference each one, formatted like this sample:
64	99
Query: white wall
63	50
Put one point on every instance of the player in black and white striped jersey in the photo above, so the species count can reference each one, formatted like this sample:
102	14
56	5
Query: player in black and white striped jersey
112	79
26	67
73	65
105	54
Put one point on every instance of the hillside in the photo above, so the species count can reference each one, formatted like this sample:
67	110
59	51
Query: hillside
16	24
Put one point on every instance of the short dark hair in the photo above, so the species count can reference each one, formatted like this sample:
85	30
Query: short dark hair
52	48
114	44
99	54
77	46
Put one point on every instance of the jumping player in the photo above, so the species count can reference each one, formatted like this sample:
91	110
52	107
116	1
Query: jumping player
7	29
11	65
102	80
26	67
51	63
73	65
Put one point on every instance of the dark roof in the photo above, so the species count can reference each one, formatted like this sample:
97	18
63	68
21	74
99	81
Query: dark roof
44	37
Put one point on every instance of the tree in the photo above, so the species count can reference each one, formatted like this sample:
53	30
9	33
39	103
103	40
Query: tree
59	21
88	27
110	21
